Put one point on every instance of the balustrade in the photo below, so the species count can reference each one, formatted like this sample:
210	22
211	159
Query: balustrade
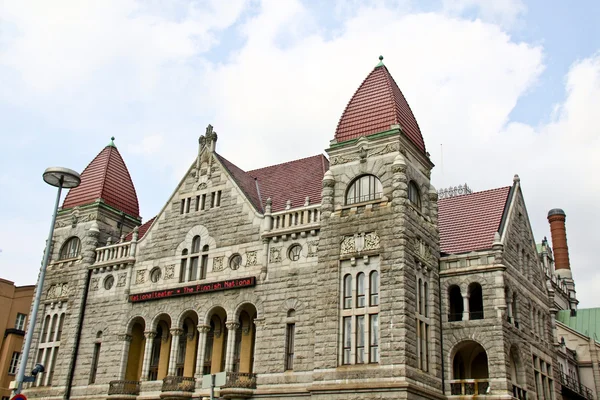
240	380
298	217
178	384
576	387
124	387
469	387
113	252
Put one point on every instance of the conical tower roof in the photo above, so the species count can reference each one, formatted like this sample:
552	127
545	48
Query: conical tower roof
106	178
375	107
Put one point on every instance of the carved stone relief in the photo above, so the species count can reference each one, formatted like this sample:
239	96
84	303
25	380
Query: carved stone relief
140	277
58	290
217	264
372	241
121	279
275	255
94	284
169	272
251	258
348	245
313	248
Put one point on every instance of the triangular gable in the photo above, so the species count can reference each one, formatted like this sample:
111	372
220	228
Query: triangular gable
468	222
244	180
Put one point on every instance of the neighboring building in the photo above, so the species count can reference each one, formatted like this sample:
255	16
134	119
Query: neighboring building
15	303
332	278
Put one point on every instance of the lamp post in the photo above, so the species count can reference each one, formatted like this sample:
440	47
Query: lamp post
60	178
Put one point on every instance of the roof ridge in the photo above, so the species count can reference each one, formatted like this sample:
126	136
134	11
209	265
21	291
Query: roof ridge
104	174
471	194
284	163
390	88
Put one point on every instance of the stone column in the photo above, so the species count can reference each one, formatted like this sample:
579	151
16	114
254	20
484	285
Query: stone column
175	334
231	328
202	332
126	339
465	297
327	193
150	335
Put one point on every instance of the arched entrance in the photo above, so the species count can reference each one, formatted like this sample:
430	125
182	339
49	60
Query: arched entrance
135	356
185	360
161	347
470	370
216	342
245	336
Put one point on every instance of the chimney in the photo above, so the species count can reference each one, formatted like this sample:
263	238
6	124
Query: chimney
562	268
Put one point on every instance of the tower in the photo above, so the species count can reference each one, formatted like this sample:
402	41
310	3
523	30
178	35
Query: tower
378	249
102	210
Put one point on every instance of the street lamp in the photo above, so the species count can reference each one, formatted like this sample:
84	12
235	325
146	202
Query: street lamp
60	178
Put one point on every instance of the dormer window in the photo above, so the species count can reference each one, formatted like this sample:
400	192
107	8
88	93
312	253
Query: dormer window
414	195
364	188
70	249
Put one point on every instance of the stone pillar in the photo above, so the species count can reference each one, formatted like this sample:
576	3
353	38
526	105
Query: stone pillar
126	339
327	194
433	205
466	314
175	335
259	323
202	332
400	181
150	335
231	328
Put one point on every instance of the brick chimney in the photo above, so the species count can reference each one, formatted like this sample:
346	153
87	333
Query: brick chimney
562	267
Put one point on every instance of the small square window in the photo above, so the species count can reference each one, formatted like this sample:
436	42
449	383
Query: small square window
20	323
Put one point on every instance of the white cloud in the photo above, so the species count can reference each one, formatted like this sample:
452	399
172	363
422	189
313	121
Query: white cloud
504	12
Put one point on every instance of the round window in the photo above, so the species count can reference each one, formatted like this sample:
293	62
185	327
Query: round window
155	274
109	282
235	261
294	252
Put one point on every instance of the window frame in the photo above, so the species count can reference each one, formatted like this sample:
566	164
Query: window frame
292	255
66	250
232	259
356	189
20	322
414	194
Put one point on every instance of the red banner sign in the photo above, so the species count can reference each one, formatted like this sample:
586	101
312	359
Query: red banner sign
194	289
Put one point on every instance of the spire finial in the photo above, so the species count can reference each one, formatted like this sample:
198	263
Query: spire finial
380	62
112	142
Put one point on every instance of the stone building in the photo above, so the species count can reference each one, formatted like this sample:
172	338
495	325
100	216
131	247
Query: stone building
346	276
15	302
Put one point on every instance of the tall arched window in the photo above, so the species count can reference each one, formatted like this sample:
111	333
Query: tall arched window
456	304
183	267
374	289
204	262
414	194
364	188
348	291
70	249
360	290
425	300
475	301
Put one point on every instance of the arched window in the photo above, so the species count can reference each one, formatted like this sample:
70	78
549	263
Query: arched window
53	328
516	310
70	249
364	188
425	300
420	296
204	262
374	289
360	290
196	244
61	322
183	267
456	304
348	291
414	195
45	330
475	301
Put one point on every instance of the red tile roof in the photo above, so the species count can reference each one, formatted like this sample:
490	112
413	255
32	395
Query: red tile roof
469	222
141	230
293	180
106	178
377	104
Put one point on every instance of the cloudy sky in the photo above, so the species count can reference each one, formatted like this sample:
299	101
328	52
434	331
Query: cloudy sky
503	87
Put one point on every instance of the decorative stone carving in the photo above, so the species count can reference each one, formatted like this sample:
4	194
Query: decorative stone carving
94	284
422	249
275	255
150	334
169	272
58	290
313	248
343	159
202	186
251	258
217	264
372	241
389	148
140	277
348	245
121	279
124	337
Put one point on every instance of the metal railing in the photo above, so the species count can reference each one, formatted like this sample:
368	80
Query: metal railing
124	387
469	387
575	386
240	380
178	384
519	393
